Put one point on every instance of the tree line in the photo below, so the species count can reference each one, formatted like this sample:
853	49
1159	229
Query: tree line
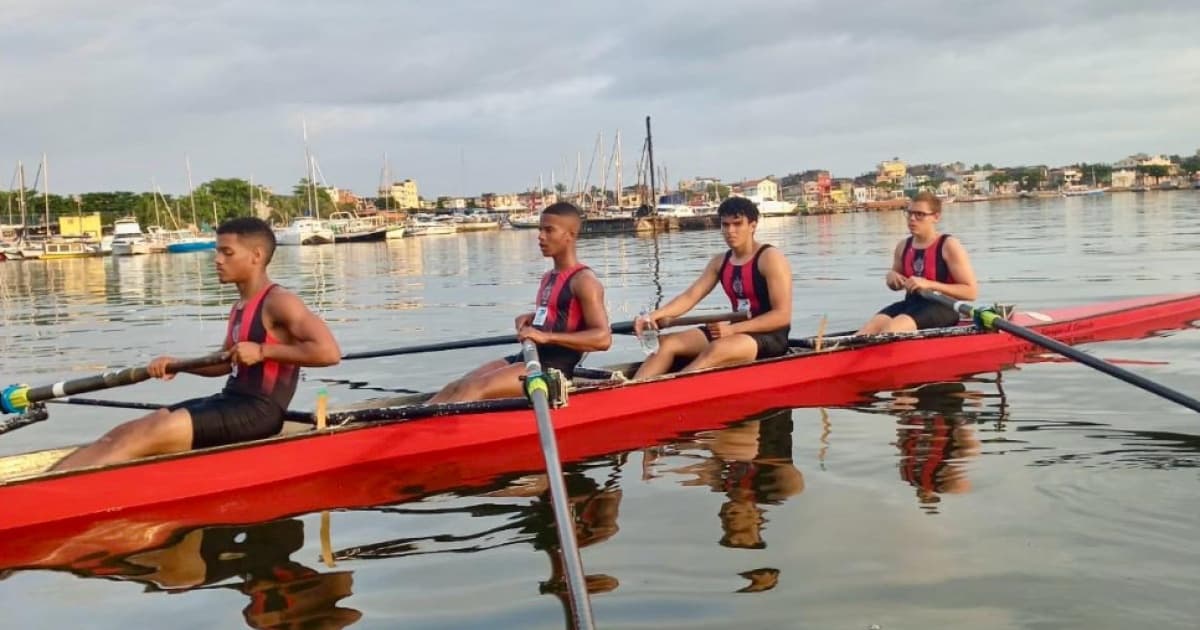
214	200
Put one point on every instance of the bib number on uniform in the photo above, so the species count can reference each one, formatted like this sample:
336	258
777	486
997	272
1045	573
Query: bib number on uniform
539	316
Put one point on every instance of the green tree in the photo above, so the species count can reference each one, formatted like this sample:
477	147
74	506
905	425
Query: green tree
560	188
1154	170
998	179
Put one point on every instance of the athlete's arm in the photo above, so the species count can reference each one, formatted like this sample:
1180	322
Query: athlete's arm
596	336
964	287
895	276
691	296
778	273
306	340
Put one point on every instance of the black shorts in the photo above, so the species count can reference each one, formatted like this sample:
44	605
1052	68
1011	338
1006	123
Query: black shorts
228	418
555	357
925	313
770	344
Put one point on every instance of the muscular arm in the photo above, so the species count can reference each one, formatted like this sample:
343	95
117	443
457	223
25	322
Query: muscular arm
688	300
964	287
775	268
309	343
895	277
596	335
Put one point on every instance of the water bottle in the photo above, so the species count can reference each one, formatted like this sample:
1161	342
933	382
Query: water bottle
649	337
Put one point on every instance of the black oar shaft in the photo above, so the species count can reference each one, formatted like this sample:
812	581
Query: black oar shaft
620	328
990	319
535	384
127	376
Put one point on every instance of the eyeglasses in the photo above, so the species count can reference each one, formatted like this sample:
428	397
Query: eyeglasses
918	215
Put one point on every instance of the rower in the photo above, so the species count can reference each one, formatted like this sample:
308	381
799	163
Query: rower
926	260
270	335
758	280
568	320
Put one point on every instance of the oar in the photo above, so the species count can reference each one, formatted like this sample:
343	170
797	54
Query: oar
538	391
17	398
620	328
989	319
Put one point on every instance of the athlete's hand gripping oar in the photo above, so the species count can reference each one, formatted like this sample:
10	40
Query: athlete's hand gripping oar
536	387
620	328
17	398
990	320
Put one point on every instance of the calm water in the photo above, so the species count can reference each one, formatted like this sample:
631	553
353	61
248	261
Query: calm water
1046	496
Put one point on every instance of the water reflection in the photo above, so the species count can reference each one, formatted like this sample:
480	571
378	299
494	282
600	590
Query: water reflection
254	560
936	439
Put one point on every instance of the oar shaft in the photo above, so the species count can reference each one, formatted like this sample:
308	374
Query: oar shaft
17	398
990	319
535	384
620	328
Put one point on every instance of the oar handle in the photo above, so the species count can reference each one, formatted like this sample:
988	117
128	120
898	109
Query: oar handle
17	398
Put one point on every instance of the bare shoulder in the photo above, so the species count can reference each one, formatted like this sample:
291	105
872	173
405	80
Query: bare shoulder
586	279
773	257
282	303
954	246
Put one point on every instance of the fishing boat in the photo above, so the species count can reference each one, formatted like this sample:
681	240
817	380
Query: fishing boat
351	228
834	370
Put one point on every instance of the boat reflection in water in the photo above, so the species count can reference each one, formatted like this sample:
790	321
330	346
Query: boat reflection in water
254	560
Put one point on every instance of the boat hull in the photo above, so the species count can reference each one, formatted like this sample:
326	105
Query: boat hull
830	377
183	247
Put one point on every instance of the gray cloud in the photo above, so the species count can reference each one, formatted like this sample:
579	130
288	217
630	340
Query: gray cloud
474	96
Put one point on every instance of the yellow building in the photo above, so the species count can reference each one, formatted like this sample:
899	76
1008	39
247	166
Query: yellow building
892	171
405	195
87	225
758	189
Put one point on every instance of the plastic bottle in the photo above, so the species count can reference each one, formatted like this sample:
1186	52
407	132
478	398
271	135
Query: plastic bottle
649	337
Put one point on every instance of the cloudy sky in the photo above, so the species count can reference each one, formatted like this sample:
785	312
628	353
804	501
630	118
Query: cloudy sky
468	97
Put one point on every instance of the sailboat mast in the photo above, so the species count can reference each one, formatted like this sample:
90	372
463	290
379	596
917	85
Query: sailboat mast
617	157
21	197
191	192
309	193
46	191
650	155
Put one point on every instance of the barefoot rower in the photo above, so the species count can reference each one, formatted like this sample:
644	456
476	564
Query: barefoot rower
757	279
271	334
925	260
568	320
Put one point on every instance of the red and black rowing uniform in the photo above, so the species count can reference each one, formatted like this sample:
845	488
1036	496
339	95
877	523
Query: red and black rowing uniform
928	263
557	309
747	289
253	402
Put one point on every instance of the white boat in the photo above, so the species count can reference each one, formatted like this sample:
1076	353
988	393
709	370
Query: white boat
394	232
128	239
775	208
528	221
304	231
1081	191
428	225
476	223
